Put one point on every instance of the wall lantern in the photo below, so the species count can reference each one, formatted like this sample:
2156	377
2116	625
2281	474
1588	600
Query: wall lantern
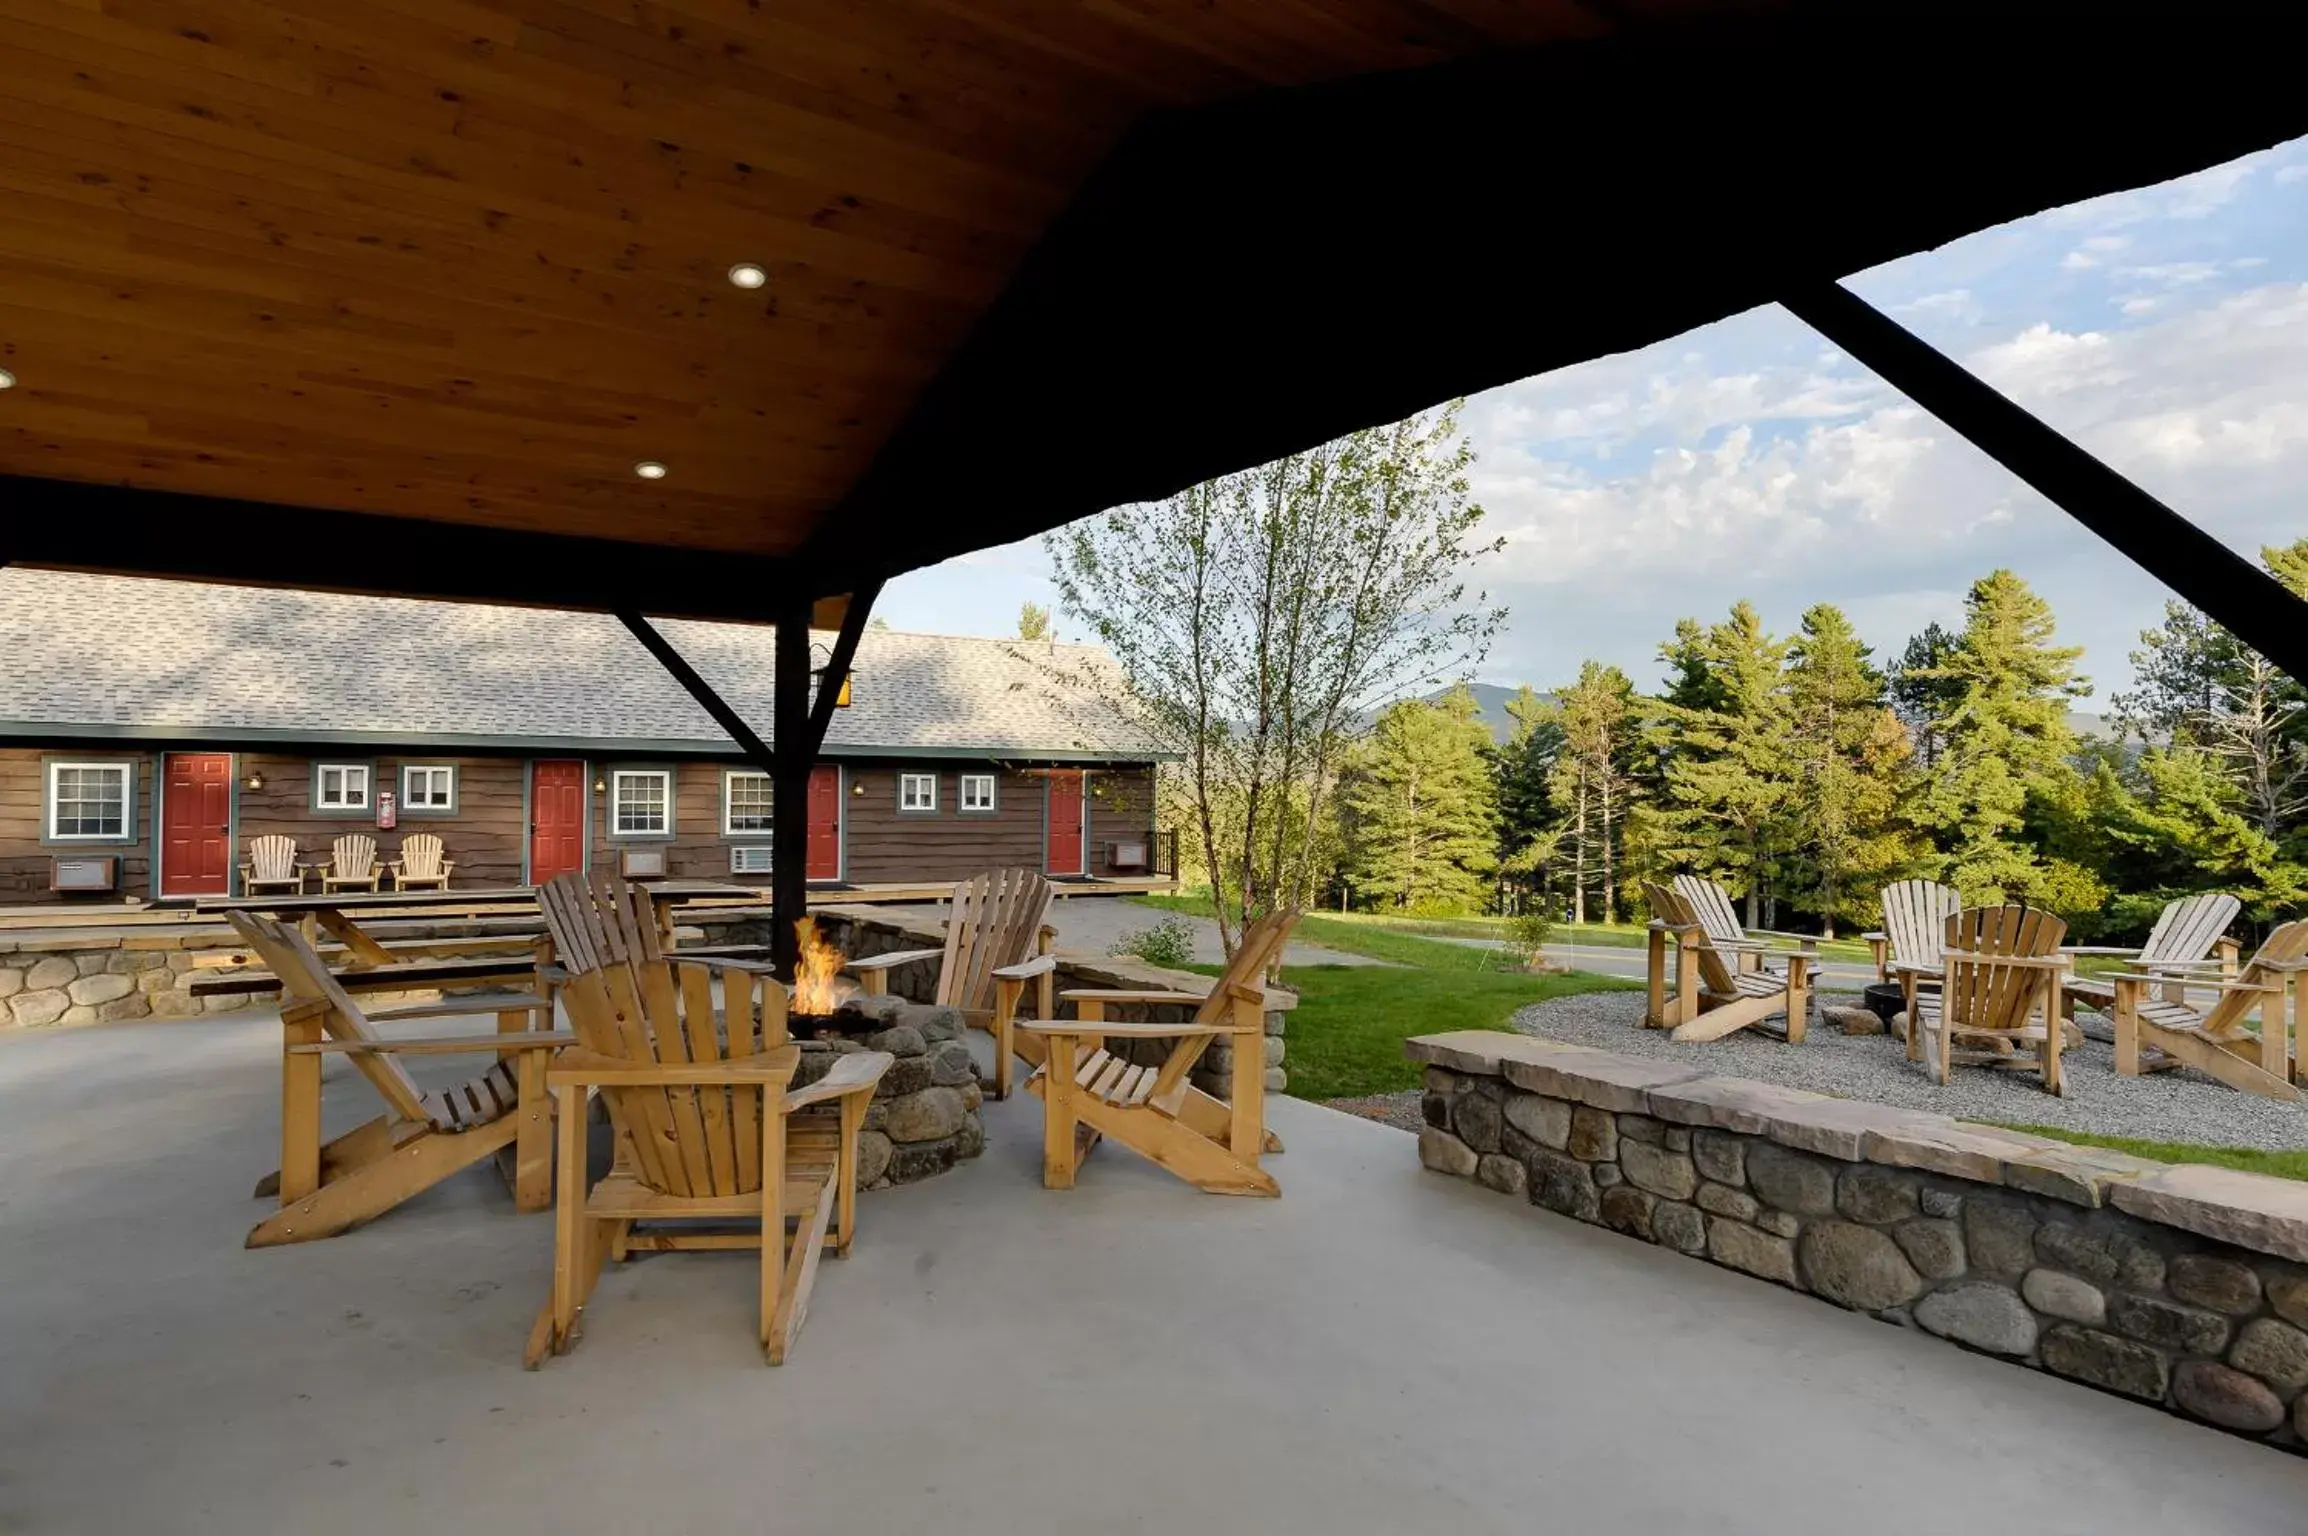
823	657
857	786
600	784
254	782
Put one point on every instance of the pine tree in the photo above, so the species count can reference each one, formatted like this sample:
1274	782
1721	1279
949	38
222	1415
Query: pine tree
1731	777
2008	754
1852	755
1522	766
1921	693
2173	823
1422	813
1033	622
1589	783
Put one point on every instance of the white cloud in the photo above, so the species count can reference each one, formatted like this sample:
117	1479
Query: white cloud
2173	274
2287	174
1951	304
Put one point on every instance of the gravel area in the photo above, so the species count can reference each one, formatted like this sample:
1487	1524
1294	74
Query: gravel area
2181	1106
1399	1110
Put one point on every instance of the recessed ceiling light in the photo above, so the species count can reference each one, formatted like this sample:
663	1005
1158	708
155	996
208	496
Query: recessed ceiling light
746	275
7	379
649	469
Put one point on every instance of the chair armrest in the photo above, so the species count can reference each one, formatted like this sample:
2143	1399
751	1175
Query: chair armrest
1663	926
2207	983
442	1045
714	962
499	1002
2099	949
1917	968
2286	966
1800	938
1125	995
856	1072
1026	970
1131	1031
580	1068
883	962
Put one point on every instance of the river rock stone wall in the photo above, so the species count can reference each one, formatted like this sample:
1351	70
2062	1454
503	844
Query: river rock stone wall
2184	1287
39	987
925	1112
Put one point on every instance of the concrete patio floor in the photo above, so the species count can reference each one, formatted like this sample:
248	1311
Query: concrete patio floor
1381	1350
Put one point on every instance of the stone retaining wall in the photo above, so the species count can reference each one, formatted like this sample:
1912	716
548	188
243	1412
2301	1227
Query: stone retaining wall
924	1117
69	984
2182	1286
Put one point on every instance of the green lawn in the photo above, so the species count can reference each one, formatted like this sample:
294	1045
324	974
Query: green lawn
2284	1165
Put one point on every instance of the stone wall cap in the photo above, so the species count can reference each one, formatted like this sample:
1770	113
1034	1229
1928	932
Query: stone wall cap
2252	1210
1728	1103
1620	1084
1485	1052
2078	1175
1936	1144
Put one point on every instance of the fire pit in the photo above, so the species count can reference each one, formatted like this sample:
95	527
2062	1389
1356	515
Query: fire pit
822	1004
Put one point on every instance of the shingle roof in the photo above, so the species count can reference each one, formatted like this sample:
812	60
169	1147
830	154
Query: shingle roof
109	655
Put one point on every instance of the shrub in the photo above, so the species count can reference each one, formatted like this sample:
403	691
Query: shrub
1169	942
1526	935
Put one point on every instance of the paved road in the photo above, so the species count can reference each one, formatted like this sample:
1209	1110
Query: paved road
1614	960
1091	924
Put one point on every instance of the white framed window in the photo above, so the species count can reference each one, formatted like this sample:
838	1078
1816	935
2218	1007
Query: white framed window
744	802
341	786
977	793
917	792
641	802
429	787
89	802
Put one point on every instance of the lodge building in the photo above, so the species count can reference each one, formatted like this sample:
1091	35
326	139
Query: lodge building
149	730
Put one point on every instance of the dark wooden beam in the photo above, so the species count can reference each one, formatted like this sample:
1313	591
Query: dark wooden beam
861	603
756	750
789	790
2250	603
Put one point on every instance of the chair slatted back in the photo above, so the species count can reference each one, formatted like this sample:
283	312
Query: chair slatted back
354	857
995	921
1978	993
1262	944
601	921
1711	908
1669	905
420	856
272	857
2287	942
1915	914
304	979
2187	929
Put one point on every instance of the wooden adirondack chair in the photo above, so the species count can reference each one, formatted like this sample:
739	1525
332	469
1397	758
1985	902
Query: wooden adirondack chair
1999	989
352	864
705	1122
421	864
423	1137
2190	940
1711	905
2213	1039
1156	1111
1915	914
1720	987
272	866
997	939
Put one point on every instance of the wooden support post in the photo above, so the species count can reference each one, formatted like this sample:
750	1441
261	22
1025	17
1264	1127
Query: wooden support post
789	791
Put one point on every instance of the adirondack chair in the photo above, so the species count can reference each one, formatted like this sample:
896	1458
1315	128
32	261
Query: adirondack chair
352	864
2213	1039
423	1137
1915	914
1712	996
1999	990
2190	939
1089	1092
706	1122
997	939
1711	905
272	866
421	864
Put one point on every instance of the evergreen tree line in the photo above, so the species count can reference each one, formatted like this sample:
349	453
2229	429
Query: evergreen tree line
1803	776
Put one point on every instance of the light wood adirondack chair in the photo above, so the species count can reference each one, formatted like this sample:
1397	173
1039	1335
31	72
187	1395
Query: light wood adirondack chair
1915	914
1999	990
1712	996
272	866
706	1124
997	939
423	1137
1156	1111
1711	905
352	864
2190	940
2213	1039
421	864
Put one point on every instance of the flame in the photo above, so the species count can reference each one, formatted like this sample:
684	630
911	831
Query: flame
816	992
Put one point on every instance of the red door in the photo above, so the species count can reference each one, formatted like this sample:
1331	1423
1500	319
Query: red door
1064	840
196	824
824	862
556	819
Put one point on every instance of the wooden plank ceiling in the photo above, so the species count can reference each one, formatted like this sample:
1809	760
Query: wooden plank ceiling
466	260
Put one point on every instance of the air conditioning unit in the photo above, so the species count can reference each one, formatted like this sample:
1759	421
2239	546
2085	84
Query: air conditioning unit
99	872
749	859
642	864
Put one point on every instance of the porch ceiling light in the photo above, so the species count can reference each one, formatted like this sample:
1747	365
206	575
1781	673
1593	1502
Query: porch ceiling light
7	379
747	275
649	469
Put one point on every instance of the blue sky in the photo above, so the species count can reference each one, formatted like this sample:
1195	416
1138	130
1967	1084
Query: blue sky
2165	329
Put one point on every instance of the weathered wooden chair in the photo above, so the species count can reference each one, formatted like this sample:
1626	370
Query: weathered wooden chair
1088	1091
997	939
1999	991
2160	1032
352	864
272	866
2190	941
1711	905
1915	914
420	865
705	1123
1720	986
327	1187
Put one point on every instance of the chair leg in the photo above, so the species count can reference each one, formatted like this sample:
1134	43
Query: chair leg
533	1138
300	1113
1004	1031
772	1208
2055	1037
2127	1033
1246	1135
1058	1093
853	1110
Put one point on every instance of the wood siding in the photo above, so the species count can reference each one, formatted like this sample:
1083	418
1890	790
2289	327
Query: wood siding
486	836
945	844
1121	810
25	860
